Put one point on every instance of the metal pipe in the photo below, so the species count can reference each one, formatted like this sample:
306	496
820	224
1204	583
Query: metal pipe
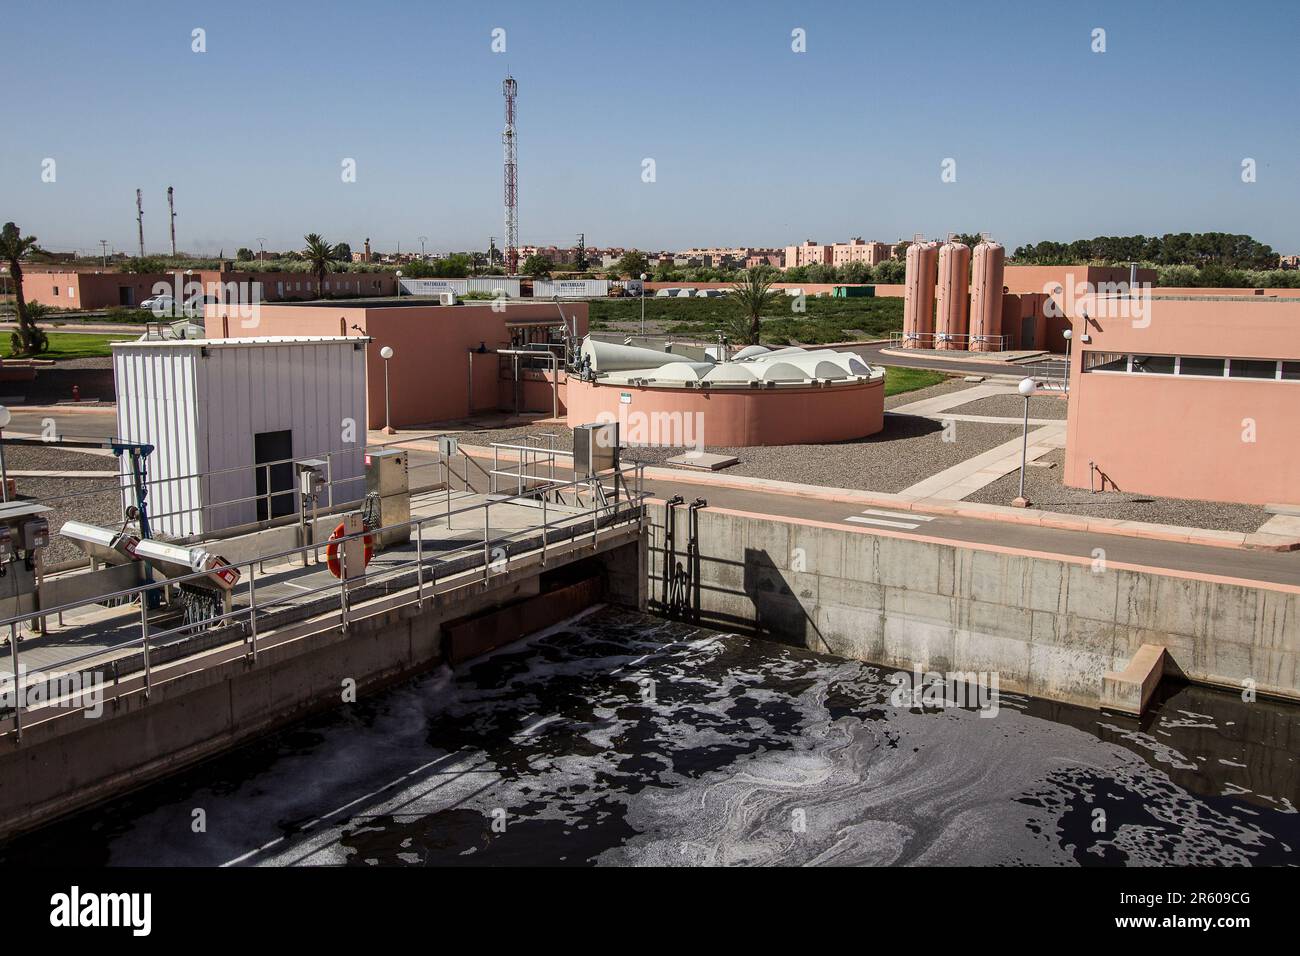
18	690
144	639
487	565
252	610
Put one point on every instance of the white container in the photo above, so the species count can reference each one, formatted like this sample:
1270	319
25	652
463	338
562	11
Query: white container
213	408
571	288
435	287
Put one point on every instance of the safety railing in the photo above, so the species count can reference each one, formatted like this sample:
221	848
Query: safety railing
949	341
347	594
1051	374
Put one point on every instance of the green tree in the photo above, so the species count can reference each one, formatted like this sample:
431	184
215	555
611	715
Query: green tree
319	256
632	264
14	247
537	266
752	293
244	254
342	252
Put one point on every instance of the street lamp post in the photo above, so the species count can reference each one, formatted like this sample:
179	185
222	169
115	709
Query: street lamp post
643	278
1069	334
399	286
4	475
1026	388
386	353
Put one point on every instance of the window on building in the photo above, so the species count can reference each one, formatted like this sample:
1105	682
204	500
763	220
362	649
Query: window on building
1201	366
1104	361
56	291
1153	364
1252	368
1291	371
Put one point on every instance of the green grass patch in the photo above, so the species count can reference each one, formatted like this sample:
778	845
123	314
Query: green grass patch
71	345
899	379
824	320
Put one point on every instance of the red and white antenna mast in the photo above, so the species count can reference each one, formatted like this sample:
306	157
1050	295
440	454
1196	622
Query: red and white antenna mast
511	89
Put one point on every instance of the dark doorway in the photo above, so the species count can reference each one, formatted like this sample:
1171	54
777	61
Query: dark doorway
125	295
1027	331
278	447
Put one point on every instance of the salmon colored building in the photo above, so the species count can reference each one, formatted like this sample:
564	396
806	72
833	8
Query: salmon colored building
103	290
445	365
1186	396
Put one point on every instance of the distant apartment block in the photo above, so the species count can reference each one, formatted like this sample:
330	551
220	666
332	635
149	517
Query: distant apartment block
811	253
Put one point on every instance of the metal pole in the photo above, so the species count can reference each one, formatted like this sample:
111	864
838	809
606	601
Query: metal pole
642	308
388	411
252	608
487	567
419	564
18	691
343	583
543	528
4	474
1024	450
144	639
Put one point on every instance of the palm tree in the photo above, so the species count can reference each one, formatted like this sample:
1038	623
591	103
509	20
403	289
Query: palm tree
28	339
320	255
753	293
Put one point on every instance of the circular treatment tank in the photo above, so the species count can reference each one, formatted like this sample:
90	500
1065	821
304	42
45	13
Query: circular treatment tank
787	396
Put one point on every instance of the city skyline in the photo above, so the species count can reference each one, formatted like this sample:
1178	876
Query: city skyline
753	143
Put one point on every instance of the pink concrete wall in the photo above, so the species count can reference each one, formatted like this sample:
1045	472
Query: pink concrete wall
739	417
429	372
1182	436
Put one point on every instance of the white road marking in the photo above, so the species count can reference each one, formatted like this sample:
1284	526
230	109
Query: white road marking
906	515
881	521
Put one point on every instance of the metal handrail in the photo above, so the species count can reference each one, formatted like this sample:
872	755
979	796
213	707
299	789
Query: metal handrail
631	507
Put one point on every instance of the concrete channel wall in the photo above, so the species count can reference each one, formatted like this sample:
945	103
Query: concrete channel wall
1050	628
214	700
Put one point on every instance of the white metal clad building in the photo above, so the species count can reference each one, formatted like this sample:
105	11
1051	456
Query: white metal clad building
488	284
570	288
214	409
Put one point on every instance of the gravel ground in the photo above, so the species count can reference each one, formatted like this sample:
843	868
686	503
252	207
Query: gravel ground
102	506
1013	406
1043	485
907	450
99	361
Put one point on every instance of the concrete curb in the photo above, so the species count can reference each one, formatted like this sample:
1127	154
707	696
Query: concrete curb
1257	541
970	509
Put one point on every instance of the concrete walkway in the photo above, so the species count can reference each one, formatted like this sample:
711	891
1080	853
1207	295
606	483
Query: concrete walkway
970	476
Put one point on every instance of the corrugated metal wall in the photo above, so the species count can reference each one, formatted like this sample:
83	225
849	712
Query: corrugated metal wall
203	415
488	284
570	288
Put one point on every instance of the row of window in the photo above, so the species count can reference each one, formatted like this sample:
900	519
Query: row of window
1131	364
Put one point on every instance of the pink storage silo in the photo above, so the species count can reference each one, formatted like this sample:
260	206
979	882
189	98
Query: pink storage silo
986	297
951	302
918	298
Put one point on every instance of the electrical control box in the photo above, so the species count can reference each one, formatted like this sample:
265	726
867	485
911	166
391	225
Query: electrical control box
595	449
311	476
6	544
388	485
34	534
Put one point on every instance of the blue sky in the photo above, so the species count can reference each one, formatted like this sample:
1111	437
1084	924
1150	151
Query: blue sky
752	142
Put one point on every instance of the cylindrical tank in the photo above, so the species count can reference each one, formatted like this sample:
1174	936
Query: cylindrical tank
986	297
918	299
950	301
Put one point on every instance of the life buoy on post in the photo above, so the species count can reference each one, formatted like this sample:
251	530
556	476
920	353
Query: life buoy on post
332	551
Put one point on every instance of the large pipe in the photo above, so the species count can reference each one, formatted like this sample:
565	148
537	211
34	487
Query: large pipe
918	300
987	276
608	357
951	302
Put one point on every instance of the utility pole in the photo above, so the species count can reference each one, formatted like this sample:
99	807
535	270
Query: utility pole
103	251
580	259
510	89
261	252
171	209
139	218
423	240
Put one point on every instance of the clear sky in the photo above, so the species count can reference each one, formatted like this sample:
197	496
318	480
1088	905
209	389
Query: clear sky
753	143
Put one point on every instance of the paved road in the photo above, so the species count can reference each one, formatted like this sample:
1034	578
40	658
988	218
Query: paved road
872	354
1279	568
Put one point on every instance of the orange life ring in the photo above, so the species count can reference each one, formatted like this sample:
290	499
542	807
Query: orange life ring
332	551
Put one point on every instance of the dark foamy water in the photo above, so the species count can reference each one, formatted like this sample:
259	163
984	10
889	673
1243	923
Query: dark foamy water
624	739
